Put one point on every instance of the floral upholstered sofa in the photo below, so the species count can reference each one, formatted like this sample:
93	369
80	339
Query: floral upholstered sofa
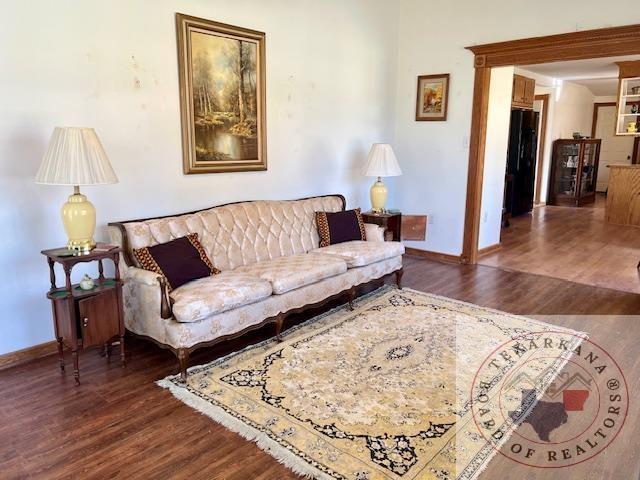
271	265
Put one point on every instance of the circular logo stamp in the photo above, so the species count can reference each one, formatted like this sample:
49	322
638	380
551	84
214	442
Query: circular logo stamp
549	399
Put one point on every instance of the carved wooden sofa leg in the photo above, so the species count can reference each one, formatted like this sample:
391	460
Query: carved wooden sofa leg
183	362
352	296
279	324
399	274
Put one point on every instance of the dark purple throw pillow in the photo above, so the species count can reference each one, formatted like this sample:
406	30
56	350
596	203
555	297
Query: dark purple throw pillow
178	261
338	227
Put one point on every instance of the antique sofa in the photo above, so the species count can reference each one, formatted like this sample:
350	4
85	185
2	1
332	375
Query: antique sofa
271	263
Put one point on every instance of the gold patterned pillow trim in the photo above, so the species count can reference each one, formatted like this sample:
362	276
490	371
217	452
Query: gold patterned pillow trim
193	238
147	262
363	231
323	229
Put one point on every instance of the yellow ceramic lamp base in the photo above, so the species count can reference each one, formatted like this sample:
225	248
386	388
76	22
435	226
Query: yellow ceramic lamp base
378	195
79	219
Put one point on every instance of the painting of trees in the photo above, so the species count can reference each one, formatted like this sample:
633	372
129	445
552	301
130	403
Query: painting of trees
206	103
224	97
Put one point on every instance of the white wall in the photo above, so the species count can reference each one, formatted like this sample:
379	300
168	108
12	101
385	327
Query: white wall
605	98
112	66
495	157
434	155
573	110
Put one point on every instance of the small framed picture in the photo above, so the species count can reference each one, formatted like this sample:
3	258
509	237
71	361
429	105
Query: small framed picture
431	103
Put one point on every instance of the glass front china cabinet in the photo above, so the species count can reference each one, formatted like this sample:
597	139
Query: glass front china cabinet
574	171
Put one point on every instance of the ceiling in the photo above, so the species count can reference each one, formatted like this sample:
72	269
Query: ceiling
600	75
600	86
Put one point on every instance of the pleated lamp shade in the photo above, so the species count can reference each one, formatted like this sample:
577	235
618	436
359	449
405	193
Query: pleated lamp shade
75	157
382	162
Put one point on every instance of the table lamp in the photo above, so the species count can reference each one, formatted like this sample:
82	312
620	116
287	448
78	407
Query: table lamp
381	162
75	157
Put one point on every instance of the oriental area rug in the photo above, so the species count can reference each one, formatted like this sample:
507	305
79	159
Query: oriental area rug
384	391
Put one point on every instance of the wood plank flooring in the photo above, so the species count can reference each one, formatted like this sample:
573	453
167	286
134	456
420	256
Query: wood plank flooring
119	424
575	244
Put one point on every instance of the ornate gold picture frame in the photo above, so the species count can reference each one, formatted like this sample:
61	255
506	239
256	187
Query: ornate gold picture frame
222	96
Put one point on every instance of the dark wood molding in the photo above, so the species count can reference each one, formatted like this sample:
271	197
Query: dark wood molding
11	359
125	239
543	136
604	42
635	156
628	69
477	142
490	249
596	108
443	257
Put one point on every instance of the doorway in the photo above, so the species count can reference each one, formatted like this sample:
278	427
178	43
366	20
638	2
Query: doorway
570	46
565	236
613	148
574	243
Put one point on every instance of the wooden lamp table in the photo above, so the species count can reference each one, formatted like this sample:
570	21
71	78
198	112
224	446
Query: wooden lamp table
86	318
391	222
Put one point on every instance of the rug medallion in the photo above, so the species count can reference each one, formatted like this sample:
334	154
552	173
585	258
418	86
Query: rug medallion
381	392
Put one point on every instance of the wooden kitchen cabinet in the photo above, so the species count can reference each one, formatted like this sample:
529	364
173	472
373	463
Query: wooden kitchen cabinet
524	92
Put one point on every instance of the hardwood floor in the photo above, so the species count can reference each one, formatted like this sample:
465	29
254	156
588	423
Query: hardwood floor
573	244
119	424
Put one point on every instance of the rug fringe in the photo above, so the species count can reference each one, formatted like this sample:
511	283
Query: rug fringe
280	453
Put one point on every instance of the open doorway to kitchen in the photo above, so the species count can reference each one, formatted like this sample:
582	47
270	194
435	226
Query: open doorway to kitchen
549	178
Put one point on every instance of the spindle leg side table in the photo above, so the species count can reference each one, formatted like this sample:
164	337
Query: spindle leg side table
86	318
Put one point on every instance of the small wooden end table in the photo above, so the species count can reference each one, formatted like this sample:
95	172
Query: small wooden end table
392	222
86	318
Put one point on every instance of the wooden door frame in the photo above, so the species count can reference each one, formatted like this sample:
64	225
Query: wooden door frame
604	42
636	146
543	135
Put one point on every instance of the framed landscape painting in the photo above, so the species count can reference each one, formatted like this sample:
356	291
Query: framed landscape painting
222	96
433	91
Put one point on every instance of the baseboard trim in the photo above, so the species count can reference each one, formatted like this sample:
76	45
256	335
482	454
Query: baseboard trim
19	357
443	257
490	249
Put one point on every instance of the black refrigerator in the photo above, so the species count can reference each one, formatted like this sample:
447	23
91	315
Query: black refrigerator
521	162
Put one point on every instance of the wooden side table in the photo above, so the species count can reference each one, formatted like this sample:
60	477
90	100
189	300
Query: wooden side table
86	318
392	222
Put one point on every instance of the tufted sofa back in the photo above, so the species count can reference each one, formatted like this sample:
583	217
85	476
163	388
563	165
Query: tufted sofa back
241	233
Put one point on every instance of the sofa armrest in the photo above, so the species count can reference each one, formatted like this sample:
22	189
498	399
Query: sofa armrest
374	233
142	276
150	279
